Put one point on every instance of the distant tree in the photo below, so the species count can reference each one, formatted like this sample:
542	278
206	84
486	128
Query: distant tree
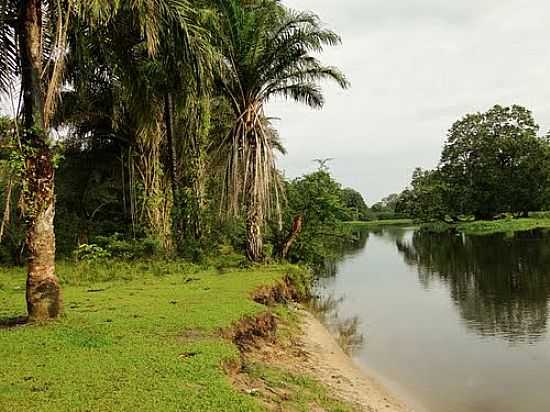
387	204
426	198
494	162
357	209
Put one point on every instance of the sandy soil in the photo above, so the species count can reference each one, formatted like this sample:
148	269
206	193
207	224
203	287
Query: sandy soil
333	367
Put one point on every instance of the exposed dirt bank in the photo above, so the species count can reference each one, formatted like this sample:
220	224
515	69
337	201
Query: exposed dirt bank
301	347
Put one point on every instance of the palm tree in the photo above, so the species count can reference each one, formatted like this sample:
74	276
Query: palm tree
177	72
33	35
267	53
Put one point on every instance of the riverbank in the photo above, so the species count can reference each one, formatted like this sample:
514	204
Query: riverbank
503	226
489	227
379	223
337	370
167	336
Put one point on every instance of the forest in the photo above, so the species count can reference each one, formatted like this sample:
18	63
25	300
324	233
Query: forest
139	129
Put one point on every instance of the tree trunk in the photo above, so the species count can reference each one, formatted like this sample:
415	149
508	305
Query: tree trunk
172	152
253	207
44	297
177	218
297	225
198	172
254	237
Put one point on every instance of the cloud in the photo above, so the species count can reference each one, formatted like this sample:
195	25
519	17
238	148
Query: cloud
416	66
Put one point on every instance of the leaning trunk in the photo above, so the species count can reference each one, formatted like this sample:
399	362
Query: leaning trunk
297	224
44	297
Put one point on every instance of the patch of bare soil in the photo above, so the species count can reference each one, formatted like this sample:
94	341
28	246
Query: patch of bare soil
313	352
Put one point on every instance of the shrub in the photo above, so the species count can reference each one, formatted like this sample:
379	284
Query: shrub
118	247
90	252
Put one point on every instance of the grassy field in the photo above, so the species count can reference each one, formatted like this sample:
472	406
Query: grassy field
137	337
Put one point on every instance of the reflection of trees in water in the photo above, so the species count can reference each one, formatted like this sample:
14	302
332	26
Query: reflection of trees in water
345	247
500	283
347	331
390	234
342	247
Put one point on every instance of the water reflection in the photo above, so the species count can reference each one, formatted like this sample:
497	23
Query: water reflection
346	330
343	247
500	283
460	323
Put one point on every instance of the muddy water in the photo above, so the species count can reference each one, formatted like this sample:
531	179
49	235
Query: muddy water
460	323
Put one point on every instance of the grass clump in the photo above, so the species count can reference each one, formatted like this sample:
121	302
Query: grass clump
503	226
143	336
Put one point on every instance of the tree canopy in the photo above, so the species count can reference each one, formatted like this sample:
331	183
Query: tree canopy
492	162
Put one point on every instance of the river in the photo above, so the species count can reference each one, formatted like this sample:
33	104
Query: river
455	323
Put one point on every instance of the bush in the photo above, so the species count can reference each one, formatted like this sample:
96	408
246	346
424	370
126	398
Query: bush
437	227
90	252
119	247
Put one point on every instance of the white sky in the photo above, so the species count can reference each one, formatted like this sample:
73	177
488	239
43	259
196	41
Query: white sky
416	66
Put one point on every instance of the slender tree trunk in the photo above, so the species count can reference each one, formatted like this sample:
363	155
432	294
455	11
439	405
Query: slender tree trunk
297	224
253	210
177	221
172	153
44	297
254	237
203	131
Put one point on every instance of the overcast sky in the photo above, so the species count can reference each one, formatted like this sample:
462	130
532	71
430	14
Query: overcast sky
416	66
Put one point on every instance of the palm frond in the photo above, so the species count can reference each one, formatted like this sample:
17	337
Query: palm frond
268	52
8	49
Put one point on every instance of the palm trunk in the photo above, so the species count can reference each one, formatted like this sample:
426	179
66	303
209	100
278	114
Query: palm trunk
44	297
197	172
254	237
172	154
253	210
177	225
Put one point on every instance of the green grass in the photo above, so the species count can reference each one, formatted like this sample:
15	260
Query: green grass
503	226
377	223
142	336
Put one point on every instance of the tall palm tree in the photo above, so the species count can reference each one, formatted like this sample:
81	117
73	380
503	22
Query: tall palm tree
32	34
33	47
268	52
178	71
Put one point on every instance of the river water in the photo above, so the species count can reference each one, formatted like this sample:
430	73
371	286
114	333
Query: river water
457	323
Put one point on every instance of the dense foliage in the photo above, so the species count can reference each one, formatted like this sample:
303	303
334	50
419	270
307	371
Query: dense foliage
162	141
319	202
492	163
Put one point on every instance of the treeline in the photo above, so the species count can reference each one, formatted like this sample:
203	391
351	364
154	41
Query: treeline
492	163
150	118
